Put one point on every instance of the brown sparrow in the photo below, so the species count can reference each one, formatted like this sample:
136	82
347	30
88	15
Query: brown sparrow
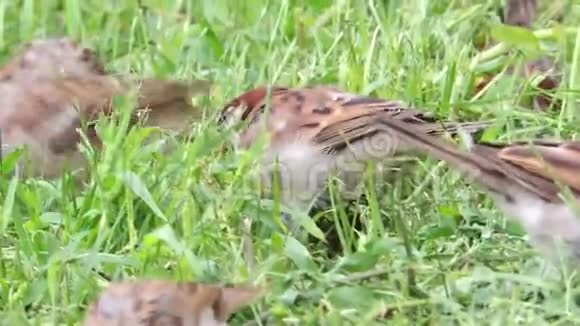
315	132
54	85
50	58
536	182
166	303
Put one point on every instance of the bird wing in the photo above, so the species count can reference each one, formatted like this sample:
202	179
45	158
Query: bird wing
325	115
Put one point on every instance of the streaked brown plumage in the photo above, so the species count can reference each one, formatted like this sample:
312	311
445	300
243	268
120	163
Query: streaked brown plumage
321	130
528	181
167	303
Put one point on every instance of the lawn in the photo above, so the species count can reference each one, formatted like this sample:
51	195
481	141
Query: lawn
431	250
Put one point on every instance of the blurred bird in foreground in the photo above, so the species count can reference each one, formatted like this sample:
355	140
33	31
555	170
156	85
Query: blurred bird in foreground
166	303
53	86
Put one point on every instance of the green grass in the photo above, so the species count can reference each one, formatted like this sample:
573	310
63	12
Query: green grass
185	215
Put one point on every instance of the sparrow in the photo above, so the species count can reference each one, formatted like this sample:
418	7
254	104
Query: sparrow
50	58
536	182
167	303
316	132
50	89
